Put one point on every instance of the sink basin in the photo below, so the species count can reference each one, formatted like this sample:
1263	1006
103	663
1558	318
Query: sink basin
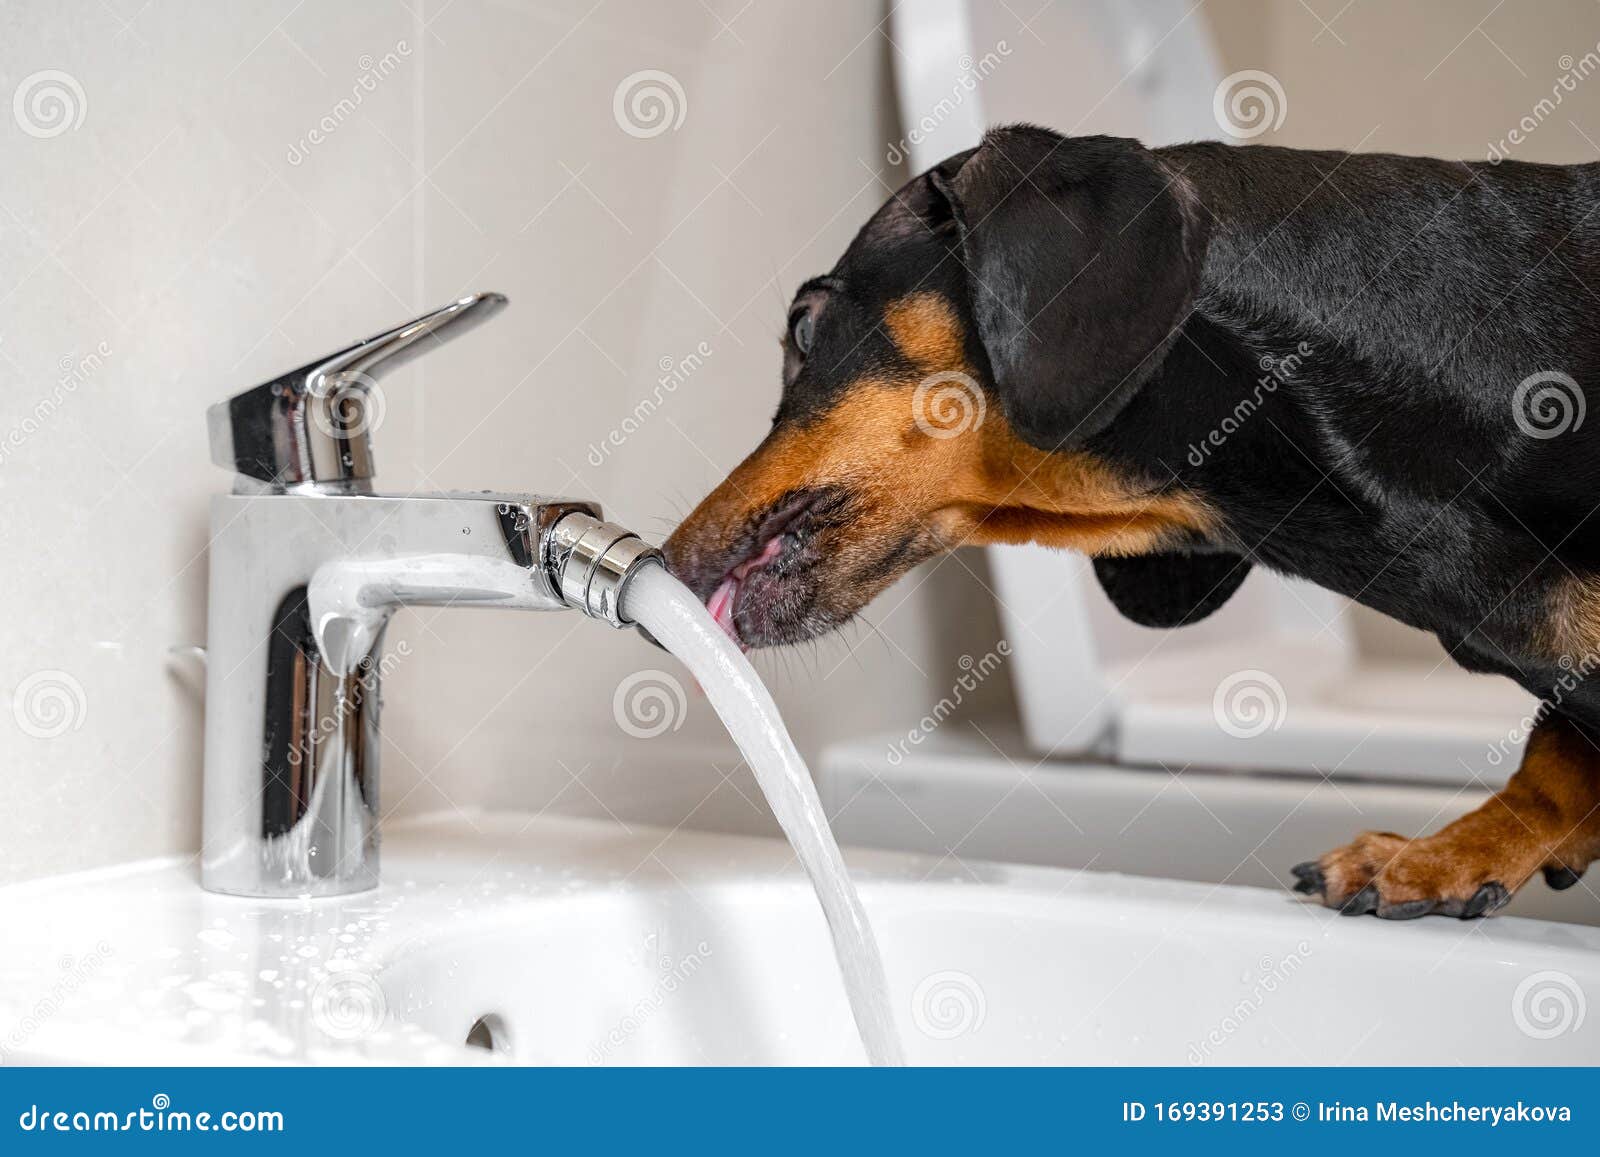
559	941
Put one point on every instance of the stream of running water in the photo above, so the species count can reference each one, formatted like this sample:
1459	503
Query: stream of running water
666	608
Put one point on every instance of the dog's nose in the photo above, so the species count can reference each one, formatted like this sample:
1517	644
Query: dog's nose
690	561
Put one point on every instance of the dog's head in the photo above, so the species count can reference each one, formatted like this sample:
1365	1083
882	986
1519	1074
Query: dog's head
942	383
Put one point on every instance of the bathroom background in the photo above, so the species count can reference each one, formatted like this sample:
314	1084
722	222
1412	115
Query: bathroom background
195	197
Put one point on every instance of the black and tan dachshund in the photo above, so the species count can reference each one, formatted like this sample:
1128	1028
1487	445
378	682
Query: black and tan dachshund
1368	371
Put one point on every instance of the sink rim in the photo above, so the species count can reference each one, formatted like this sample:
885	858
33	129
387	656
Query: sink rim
561	860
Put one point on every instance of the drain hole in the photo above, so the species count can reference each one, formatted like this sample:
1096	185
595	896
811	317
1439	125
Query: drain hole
489	1032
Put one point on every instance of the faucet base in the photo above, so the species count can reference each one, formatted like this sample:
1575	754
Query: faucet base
301	591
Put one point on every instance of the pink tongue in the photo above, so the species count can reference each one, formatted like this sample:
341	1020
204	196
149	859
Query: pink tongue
720	604
769	552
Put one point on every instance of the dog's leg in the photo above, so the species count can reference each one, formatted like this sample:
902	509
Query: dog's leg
1547	818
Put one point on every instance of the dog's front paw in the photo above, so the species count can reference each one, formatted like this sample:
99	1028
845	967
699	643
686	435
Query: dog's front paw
1547	819
1400	879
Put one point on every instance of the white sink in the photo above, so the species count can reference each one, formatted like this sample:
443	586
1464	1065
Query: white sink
580	942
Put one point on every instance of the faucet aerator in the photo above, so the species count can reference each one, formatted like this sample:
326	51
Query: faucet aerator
592	563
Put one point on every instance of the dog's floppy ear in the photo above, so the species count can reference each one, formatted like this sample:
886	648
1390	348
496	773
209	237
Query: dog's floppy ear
1078	271
1170	589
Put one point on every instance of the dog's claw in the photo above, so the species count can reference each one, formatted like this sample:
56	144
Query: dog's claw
1309	880
1561	878
1485	900
1406	910
1361	903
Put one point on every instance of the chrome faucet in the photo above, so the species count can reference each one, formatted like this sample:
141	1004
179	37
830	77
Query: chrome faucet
307	566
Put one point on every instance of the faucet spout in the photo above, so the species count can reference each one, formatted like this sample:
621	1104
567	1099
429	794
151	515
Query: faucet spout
349	601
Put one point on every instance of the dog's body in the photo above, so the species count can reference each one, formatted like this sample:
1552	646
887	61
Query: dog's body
1393	306
1363	370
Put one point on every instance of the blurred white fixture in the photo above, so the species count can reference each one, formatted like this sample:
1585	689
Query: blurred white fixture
1275	680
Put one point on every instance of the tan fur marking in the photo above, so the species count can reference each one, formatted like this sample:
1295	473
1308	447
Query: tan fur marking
1573	627
984	486
926	330
997	487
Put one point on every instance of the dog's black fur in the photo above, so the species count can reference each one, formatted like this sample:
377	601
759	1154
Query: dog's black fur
1358	325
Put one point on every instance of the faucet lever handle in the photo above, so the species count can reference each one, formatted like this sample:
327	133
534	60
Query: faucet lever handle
313	425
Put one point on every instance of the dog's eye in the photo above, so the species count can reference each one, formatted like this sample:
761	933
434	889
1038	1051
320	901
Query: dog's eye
801	330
